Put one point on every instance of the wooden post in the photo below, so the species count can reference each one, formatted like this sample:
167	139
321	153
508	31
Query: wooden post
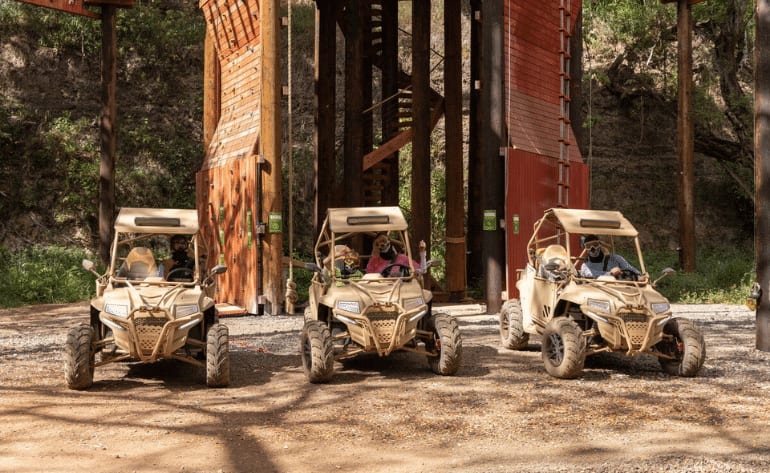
211	90
270	145
492	187
420	222
325	116
354	106
475	163
685	138
762	170
107	132
389	88
455	213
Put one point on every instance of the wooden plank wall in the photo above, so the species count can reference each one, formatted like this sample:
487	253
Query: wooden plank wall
532	76
532	88
226	182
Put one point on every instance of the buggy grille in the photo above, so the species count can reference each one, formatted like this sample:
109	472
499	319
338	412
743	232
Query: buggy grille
636	326
383	324
148	330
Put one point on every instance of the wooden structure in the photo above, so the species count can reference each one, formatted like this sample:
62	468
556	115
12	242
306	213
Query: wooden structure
520	117
404	113
544	165
239	184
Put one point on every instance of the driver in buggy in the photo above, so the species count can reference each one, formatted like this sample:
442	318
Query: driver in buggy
384	255
180	266
600	262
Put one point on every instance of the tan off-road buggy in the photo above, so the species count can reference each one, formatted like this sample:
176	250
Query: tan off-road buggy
141	316
579	316
352	313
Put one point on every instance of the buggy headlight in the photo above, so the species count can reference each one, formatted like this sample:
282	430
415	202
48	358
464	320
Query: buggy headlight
118	310
349	306
599	305
413	303
185	310
660	307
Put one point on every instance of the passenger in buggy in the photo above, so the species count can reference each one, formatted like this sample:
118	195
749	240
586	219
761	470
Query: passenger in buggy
386	259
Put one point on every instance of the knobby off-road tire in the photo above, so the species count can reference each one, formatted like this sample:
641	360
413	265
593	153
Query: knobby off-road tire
448	343
512	335
317	352
690	348
79	357
563	348
218	356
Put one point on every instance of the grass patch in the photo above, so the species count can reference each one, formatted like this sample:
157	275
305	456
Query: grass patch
722	276
44	275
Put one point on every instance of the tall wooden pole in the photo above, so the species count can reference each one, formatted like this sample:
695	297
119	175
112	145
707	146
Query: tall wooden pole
421	214
211	90
475	163
107	132
270	146
325	116
354	104
492	193
685	138
389	89
762	170
453	94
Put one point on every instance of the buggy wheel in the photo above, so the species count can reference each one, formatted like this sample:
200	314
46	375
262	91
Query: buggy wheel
79	357
218	356
448	344
512	335
317	352
563	348
686	345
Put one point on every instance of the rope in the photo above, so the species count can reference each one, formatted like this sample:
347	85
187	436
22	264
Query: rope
291	286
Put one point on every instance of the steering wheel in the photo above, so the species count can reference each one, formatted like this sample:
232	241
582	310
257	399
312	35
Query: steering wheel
627	275
180	275
403	269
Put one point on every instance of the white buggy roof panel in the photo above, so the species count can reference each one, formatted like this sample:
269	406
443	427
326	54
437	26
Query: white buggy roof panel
600	222
366	219
182	221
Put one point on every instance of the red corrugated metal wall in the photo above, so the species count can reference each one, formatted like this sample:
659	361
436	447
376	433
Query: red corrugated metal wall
533	86
226	182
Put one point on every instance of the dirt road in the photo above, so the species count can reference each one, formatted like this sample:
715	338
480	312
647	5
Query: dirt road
501	413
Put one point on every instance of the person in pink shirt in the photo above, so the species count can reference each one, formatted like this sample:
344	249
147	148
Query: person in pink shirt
384	254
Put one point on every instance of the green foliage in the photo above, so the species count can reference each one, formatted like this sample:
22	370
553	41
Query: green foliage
159	35
722	276
53	29
639	23
44	275
158	166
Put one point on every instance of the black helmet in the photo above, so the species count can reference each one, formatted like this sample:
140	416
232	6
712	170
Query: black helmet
178	239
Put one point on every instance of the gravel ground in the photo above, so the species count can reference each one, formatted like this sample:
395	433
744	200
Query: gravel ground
501	413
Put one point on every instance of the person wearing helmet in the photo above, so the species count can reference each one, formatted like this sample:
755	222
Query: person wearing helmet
600	262
180	262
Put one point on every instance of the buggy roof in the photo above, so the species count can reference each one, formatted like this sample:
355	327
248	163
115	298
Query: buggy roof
181	221
599	222
366	219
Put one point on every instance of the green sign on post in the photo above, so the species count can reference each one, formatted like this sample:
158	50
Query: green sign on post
490	220
275	222
516	224
248	227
